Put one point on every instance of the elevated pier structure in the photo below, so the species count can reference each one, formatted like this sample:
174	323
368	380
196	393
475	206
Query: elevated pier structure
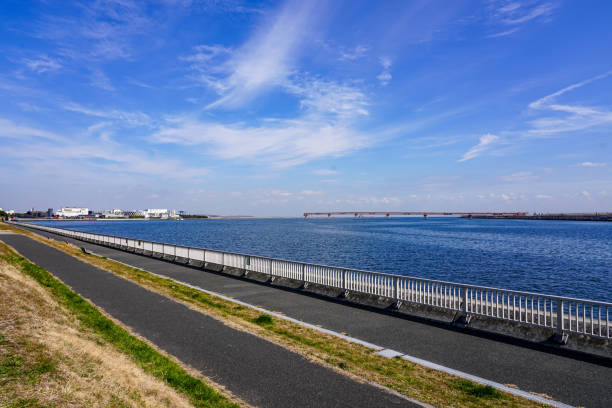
425	214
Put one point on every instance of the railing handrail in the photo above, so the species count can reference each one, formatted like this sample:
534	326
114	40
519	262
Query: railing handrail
562	314
390	275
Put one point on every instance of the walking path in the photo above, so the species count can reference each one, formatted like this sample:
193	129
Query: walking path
258	371
570	379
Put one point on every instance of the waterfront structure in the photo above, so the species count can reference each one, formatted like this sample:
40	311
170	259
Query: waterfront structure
156	213
72	212
114	213
387	214
134	213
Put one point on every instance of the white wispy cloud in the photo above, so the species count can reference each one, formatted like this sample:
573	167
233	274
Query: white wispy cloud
12	130
512	12
122	117
210	65
593	164
358	52
385	76
29	107
311	193
576	117
484	144
106	27
503	33
55	153
319	97
100	80
520	177
544	196
267	59
280	143
323	127
515	14
42	63
325	172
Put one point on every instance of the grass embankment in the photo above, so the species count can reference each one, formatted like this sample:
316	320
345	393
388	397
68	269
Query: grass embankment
418	382
56	349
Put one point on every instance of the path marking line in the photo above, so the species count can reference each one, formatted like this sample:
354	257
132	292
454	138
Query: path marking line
380	350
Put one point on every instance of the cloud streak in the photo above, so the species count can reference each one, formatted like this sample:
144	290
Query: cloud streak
385	76
483	145
121	117
280	143
268	58
576	117
515	14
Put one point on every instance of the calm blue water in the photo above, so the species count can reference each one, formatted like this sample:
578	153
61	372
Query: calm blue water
554	257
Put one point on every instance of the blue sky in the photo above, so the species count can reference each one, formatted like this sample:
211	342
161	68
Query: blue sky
276	108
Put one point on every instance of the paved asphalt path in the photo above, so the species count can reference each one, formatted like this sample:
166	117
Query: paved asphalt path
567	378
258	371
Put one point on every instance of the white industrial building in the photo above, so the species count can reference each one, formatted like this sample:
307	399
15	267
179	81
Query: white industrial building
114	213
71	212
156	213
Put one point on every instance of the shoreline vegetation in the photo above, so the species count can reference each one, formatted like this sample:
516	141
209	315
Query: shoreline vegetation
57	349
350	359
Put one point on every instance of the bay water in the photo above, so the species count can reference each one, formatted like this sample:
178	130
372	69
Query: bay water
563	258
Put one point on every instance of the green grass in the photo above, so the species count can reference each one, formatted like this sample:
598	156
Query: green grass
263	320
199	393
30	367
477	390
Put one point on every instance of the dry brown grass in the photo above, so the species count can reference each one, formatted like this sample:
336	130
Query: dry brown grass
47	359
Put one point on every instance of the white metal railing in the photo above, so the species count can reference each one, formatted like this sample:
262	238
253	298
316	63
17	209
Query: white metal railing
563	314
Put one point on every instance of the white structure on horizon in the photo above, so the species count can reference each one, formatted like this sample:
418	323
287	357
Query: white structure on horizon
114	213
156	213
69	212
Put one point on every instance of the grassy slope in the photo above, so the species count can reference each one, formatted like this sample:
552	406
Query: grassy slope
27	360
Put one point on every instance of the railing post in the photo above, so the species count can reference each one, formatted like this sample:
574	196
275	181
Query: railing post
465	300
560	316
303	274
560	336
395	288
344	280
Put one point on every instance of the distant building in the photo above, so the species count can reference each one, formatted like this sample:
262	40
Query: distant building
156	213
114	213
34	213
71	212
134	213
50	212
